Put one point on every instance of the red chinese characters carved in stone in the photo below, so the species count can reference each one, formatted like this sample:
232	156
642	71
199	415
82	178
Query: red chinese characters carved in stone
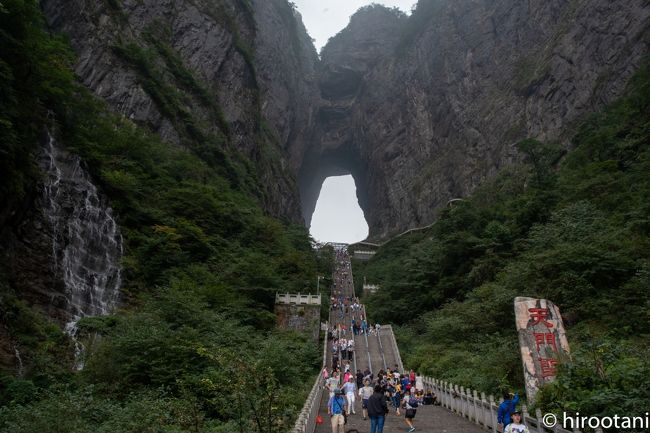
545	338
548	366
539	315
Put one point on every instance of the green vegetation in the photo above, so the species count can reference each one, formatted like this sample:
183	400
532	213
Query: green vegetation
573	228
195	348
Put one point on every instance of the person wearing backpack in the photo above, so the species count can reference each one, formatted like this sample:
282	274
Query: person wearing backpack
410	404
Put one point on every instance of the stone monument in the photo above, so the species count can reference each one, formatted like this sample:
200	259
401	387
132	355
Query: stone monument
542	340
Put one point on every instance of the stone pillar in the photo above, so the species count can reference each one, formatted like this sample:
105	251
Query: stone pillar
542	340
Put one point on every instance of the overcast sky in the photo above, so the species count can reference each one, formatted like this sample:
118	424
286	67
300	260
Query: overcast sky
325	18
337	217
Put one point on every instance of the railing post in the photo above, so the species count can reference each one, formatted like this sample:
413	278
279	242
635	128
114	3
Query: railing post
493	416
485	411
476	404
538	417
443	395
525	417
450	398
462	403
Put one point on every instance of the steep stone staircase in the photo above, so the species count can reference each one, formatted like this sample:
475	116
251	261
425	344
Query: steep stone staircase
461	410
379	351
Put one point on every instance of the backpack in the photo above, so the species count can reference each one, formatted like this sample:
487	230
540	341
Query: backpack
413	402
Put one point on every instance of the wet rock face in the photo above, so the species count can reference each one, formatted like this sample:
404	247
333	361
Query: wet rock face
436	108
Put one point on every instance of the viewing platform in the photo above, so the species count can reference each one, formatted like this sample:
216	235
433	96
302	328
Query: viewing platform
363	255
297	299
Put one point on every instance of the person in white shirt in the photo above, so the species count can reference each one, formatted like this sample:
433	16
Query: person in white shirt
516	426
332	383
365	394
411	404
350	388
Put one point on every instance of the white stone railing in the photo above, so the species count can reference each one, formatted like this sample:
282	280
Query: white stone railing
298	299
363	255
371	288
393	343
482	410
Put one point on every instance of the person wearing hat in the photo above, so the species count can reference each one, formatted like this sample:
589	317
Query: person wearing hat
516	425
336	411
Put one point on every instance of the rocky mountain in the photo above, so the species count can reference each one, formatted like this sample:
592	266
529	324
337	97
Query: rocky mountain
422	109
231	81
243	72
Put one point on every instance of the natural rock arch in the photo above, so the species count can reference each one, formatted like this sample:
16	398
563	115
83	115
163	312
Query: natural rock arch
318	166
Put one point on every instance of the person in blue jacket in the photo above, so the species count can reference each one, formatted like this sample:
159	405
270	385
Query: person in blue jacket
506	408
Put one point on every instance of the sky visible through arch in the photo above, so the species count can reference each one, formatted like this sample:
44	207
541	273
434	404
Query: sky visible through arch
338	217
325	18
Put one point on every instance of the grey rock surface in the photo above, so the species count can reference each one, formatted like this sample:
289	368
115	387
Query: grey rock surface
419	109
254	58
437	108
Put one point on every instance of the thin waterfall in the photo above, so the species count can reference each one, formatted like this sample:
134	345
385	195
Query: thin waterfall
86	240
19	361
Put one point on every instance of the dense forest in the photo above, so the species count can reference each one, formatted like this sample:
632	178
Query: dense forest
570	226
196	349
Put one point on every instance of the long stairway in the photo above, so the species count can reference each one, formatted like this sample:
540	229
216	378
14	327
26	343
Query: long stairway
391	355
377	352
376	357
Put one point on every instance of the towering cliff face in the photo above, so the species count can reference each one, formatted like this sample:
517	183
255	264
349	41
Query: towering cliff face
338	142
230	80
423	109
242	73
419	109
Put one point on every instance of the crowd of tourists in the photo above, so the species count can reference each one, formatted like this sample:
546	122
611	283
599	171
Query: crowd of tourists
377	391
379	394
385	391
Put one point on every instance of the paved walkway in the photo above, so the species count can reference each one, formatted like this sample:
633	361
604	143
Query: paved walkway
428	419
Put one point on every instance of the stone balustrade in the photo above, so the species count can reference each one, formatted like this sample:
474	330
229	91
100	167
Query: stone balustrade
297	298
482	409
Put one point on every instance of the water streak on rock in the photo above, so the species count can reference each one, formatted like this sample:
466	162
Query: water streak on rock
87	244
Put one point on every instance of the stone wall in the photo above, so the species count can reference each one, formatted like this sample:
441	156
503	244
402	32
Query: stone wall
301	317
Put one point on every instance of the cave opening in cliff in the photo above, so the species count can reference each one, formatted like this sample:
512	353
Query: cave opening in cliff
338	216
